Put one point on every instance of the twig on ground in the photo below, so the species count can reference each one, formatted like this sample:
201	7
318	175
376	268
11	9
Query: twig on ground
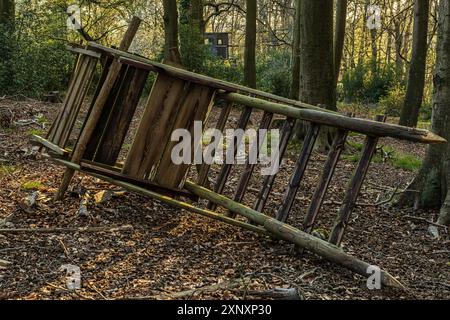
427	221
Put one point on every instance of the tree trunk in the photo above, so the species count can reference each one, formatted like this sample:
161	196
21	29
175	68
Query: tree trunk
317	83
295	84
7	9
316	47
432	181
339	36
250	44
192	27
171	51
7	20
416	78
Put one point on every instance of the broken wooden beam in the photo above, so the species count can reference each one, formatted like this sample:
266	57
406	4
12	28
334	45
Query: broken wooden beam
364	126
286	232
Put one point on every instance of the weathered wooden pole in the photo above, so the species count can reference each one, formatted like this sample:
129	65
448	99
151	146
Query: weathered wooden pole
97	109
286	232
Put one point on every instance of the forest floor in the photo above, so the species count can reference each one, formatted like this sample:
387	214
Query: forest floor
168	251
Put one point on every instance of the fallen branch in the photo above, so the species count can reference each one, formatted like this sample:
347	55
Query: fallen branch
4	264
427	221
62	230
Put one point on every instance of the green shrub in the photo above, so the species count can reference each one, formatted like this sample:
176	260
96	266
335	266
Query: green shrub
273	72
361	85
392	103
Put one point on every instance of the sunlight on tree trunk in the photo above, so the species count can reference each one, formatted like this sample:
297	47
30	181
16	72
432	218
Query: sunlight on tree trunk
432	181
416	78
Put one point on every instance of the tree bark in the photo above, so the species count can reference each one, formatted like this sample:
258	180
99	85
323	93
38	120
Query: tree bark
295	83
317	82
250	44
7	9
316	45
432	180
339	35
7	22
416	77
171	51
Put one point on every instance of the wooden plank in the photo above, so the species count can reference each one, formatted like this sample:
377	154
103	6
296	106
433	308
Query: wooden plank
221	122
49	145
269	180
83	51
107	112
121	116
299	170
93	167
353	188
96	111
231	154
80	70
195	107
155	126
78	103
328	170
249	167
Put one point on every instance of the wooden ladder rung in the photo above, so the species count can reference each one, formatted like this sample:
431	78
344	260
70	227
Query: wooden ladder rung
263	195
354	187
299	170
231	153
249	167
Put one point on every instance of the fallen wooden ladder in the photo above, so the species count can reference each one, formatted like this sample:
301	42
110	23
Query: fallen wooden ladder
177	99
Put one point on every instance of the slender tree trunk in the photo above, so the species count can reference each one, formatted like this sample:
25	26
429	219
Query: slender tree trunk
250	44
295	84
171	51
7	9
432	181
416	78
7	24
339	36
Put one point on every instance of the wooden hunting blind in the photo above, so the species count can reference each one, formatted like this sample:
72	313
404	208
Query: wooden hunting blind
218	43
177	99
